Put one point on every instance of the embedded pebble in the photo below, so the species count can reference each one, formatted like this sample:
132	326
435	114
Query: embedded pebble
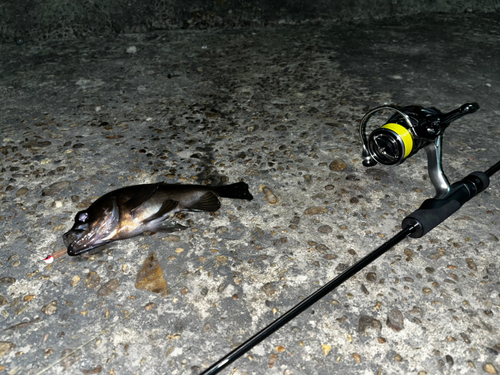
6	347
366	322
21	192
74	280
338	165
3	301
50	308
55	188
326	348
7	280
95	370
395	320
108	288
273	358
315	210
322	248
325	229
269	196
92	280
489	368
471	264
268	289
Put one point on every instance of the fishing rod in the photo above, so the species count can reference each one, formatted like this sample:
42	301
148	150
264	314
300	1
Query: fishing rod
407	131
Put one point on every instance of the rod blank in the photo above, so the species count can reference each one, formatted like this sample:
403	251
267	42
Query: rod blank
307	302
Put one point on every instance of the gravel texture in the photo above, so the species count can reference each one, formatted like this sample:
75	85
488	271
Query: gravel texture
279	108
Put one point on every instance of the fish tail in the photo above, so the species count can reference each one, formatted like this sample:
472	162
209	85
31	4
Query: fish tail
238	190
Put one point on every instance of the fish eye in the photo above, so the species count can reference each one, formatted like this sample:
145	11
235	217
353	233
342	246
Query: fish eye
82	217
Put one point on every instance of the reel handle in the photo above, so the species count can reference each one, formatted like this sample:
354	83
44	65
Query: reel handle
465	109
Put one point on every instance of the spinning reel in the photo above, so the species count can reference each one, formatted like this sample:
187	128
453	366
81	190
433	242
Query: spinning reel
407	131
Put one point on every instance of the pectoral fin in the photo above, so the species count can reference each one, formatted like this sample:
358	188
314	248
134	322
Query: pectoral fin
141	197
165	208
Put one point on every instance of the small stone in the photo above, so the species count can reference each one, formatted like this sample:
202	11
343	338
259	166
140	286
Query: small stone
273	358
489	368
75	280
21	192
280	349
269	196
3	301
7	280
92	280
184	291
316	210
395	320
268	289
50	308
465	338
6	347
357	357
28	298
341	267
330	256
326	348
108	288
471	264
95	370
427	291
398	358
322	248
338	165
449	360
366	322
150	277
371	277
55	188
326	229
149	306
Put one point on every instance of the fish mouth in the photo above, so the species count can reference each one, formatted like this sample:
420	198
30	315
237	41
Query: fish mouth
87	236
79	241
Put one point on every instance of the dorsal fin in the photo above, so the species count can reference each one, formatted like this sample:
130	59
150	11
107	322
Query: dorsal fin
207	202
165	208
140	197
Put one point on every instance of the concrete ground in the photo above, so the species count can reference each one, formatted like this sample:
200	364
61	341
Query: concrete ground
278	108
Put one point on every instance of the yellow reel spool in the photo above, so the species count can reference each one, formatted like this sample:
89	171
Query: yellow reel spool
404	134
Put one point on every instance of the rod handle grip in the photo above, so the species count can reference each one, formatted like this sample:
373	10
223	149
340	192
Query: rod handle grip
434	211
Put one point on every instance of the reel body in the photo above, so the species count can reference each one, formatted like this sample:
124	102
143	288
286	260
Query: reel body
406	132
397	140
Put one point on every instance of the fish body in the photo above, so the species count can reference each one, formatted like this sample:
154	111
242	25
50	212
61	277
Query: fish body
132	210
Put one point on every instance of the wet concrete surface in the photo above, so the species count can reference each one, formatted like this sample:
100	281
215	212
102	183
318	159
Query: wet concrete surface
277	108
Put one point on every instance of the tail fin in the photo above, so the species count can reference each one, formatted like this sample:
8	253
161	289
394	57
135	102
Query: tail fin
238	190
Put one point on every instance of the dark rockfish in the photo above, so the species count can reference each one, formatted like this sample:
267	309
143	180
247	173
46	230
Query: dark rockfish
132	210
